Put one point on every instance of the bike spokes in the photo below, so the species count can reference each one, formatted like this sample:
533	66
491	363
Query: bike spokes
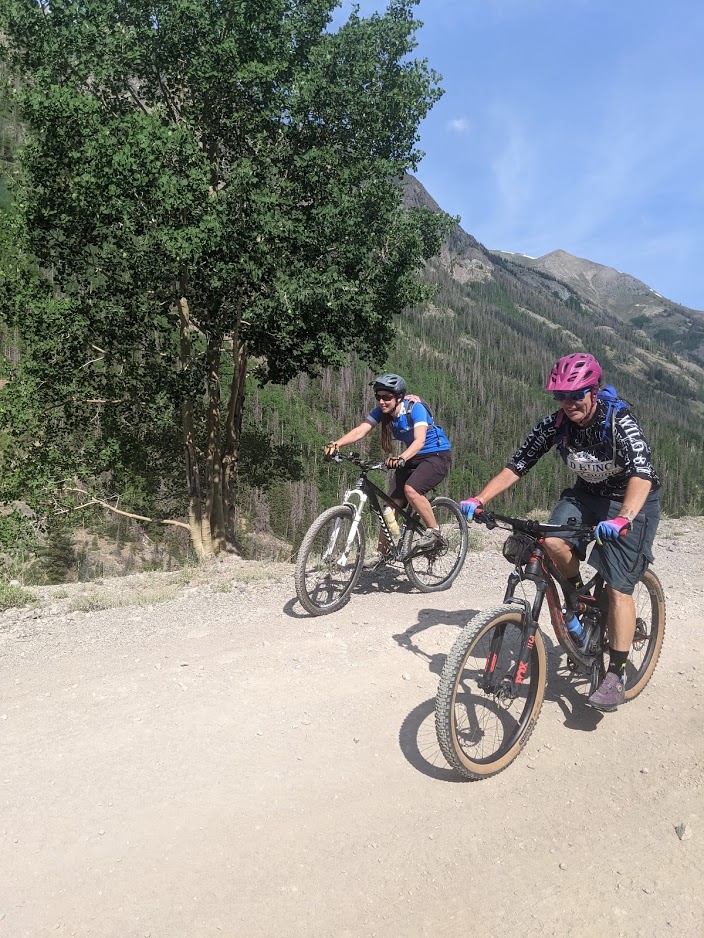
485	710
435	568
330	561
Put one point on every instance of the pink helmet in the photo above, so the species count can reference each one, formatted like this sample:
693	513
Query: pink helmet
574	372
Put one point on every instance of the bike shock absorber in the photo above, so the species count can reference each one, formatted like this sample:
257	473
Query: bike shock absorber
533	567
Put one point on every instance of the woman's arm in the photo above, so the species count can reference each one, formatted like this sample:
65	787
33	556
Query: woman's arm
637	490
419	434
354	435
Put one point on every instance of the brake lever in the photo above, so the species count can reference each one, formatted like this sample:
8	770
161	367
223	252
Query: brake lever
486	518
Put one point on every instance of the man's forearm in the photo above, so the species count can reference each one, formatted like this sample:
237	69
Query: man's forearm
637	490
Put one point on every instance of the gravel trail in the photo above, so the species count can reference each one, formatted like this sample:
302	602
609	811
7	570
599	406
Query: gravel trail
220	763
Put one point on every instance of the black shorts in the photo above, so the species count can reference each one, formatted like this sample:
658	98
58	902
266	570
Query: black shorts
621	562
422	473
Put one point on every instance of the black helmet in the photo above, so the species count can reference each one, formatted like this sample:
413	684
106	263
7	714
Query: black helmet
393	383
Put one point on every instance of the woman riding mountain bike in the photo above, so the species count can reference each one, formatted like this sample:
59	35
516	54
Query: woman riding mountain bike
425	462
616	492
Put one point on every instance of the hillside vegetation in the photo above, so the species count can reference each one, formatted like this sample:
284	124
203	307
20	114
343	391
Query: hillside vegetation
478	353
625	297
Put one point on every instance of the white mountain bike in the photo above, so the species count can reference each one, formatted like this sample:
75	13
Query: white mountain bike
331	555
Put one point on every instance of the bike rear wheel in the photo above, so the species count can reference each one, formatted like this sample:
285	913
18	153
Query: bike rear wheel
437	568
329	563
649	600
481	727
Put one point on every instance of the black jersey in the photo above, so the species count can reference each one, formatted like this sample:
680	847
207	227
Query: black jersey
604	461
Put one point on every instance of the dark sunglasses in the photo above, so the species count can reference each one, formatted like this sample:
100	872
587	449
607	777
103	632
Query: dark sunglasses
385	397
570	395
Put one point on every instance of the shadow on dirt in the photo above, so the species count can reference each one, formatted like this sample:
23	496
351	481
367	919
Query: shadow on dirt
569	691
384	579
419	744
429	618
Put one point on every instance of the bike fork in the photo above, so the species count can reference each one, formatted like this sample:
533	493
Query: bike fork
526	651
518	670
358	509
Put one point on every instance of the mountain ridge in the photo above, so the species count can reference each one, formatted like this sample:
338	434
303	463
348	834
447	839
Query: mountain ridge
598	288
624	296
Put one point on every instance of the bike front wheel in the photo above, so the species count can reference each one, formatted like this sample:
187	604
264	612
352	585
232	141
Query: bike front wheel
437	568
482	717
329	561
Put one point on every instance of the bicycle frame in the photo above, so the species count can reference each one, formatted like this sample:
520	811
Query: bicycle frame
366	491
541	570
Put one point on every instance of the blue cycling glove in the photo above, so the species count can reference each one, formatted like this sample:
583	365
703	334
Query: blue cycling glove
469	506
611	530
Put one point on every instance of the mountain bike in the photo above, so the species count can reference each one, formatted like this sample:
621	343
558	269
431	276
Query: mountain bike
493	682
331	555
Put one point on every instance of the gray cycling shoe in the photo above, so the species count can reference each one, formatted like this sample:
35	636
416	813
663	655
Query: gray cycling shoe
609	694
428	540
374	560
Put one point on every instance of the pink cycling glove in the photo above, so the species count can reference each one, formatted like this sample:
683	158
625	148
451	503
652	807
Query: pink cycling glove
610	530
469	506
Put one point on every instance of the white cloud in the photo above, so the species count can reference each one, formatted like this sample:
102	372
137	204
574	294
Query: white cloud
459	125
511	161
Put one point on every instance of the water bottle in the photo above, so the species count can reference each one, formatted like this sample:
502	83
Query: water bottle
391	522
575	628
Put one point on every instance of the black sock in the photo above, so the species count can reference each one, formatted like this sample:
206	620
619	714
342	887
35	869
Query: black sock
576	581
617	662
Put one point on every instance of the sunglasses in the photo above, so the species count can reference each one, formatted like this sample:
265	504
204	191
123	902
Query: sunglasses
385	397
570	395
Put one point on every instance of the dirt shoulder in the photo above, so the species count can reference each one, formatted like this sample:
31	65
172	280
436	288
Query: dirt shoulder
194	756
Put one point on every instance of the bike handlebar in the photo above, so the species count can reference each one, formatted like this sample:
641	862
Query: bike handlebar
358	461
533	528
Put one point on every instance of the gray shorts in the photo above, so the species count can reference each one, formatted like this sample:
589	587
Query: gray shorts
621	562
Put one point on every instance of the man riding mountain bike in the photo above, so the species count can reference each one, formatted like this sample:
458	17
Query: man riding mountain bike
616	492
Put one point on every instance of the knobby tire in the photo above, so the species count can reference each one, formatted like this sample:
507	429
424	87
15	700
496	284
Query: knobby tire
436	570
479	733
643	656
322	585
650	634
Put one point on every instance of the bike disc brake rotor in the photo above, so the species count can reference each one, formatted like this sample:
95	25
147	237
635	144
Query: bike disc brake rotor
640	636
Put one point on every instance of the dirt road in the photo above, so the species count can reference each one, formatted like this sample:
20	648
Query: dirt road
222	764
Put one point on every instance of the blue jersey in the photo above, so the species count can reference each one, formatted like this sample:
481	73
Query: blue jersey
410	416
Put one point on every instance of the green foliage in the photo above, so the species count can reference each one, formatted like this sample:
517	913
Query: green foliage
13	596
58	558
17	532
240	157
263	462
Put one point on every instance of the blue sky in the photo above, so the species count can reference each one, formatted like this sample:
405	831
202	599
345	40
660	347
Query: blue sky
573	124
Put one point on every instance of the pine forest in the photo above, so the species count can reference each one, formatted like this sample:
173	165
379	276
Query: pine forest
206	256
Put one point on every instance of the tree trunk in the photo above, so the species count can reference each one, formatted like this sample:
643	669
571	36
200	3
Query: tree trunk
202	547
213	499
233	430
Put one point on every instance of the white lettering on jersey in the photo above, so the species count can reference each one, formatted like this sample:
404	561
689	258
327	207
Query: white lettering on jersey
589	467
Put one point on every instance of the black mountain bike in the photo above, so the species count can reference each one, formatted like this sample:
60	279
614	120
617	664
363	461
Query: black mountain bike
493	682
332	552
